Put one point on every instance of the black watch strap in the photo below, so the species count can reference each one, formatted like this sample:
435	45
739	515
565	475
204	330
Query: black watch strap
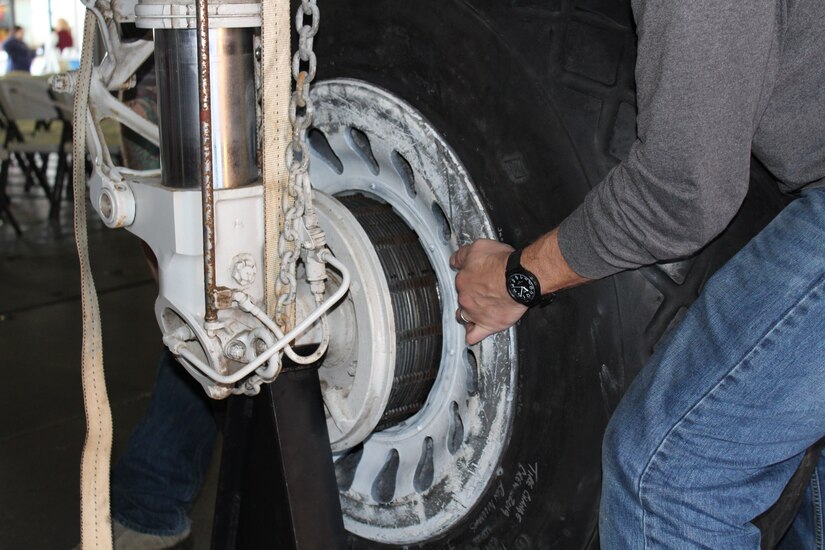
522	285
514	260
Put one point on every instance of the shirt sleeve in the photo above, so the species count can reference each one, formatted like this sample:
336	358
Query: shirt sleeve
16	48
701	74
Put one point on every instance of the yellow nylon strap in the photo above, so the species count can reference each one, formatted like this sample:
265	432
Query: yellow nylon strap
95	510
277	85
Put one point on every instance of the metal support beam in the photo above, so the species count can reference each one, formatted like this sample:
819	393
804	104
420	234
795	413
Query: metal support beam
277	485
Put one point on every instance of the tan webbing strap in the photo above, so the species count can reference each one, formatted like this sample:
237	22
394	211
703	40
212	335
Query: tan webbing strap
277	85
95	512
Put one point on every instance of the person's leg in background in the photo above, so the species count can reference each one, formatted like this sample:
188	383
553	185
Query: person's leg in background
712	429
156	480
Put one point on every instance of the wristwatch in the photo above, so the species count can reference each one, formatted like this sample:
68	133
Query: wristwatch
522	285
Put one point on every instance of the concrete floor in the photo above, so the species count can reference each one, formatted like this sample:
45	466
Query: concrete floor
41	411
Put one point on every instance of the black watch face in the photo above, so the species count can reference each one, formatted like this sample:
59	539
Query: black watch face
521	288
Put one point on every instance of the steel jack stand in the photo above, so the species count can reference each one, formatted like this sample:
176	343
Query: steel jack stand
277	486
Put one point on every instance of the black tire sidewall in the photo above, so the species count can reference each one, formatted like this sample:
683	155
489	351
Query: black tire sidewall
442	60
512	129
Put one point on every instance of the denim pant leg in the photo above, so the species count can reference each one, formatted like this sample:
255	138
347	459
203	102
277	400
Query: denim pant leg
716	423
806	532
156	480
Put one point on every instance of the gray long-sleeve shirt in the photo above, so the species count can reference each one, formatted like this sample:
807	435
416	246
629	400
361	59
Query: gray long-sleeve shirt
715	80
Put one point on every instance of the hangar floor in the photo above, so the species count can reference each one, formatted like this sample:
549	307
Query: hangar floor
41	411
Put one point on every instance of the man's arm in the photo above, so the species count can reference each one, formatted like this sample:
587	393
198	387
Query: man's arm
703	77
10	47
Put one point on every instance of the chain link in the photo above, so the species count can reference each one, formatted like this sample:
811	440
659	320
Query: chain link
297	201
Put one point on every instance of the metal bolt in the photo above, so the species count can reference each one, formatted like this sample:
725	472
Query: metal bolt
64	83
244	270
235	350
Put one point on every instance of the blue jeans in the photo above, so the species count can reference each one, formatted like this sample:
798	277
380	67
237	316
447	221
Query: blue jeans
806	531
716	423
160	473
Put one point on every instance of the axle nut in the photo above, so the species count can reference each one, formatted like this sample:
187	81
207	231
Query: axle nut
235	350
244	269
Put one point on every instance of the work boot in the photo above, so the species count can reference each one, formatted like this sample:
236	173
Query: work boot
128	539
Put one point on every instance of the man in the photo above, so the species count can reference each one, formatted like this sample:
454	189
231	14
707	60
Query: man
717	422
19	55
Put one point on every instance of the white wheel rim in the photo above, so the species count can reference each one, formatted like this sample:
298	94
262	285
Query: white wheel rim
462	468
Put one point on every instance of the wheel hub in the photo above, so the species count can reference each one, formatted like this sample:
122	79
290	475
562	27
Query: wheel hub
389	264
415	305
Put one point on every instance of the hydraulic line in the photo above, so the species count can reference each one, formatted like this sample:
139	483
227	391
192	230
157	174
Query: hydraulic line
246	304
179	347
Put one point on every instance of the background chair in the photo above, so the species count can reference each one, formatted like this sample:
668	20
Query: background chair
5	202
38	124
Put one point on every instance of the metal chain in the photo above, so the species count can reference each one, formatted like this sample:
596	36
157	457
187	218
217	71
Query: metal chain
297	201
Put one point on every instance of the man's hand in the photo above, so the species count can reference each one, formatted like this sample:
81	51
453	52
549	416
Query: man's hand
484	303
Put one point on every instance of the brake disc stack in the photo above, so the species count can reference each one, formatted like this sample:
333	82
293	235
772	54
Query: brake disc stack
415	302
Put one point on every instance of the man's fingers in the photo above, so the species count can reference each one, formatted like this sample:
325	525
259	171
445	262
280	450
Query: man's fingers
473	332
461	317
476	333
459	257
